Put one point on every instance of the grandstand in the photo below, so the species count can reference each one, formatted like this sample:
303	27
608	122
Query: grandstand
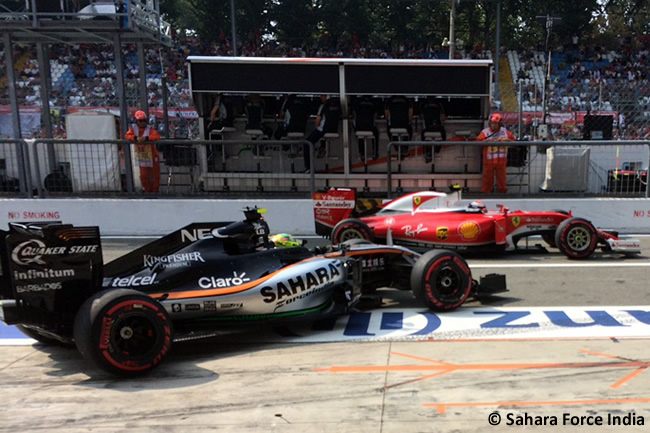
84	75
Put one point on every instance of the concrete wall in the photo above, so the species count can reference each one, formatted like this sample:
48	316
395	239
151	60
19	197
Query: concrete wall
159	216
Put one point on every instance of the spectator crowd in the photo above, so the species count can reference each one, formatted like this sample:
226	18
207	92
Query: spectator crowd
582	77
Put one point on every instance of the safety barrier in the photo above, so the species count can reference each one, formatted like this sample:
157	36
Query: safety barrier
534	168
271	168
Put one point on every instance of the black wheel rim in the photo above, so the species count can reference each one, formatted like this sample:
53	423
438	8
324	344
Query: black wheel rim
134	336
447	282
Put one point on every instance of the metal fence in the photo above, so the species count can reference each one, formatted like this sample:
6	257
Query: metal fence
535	168
233	168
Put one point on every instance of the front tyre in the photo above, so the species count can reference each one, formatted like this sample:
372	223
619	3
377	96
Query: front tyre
123	332
549	238
351	229
441	279
576	238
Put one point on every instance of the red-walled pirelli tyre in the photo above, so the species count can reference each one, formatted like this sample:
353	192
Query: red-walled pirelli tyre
576	238
123	332
441	279
351	229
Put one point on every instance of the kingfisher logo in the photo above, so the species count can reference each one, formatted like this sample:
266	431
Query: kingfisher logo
32	251
173	260
301	286
215	283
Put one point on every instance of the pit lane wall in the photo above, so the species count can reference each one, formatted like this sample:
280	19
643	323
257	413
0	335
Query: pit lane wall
156	217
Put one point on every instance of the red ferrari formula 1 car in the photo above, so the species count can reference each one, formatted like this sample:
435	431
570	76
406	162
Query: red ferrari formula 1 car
428	219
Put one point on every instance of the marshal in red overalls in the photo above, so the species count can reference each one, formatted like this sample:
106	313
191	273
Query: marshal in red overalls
146	154
495	158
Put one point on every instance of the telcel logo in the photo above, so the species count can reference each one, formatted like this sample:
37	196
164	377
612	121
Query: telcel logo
134	281
211	282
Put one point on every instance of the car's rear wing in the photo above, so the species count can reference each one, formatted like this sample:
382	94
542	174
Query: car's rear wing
48	270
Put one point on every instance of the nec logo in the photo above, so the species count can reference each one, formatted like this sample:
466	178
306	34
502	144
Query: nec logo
195	235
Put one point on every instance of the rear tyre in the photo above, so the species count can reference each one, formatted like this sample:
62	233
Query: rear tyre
351	229
123	332
576	238
441	279
549	238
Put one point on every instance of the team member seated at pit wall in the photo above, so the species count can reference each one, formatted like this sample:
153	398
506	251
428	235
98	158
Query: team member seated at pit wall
146	153
222	114
433	116
364	120
495	158
327	121
399	114
254	109
292	117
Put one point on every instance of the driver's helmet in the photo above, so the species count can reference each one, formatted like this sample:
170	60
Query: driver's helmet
478	205
285	240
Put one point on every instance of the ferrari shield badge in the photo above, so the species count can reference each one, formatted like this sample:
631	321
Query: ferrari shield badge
442	233
516	221
417	200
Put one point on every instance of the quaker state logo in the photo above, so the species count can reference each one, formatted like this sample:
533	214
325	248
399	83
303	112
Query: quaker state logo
442	233
516	221
417	200
469	230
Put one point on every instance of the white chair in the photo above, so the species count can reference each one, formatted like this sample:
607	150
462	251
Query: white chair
293	136
402	134
327	137
365	136
257	134
219	134
432	136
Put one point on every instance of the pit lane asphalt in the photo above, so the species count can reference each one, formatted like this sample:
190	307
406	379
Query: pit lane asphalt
240	383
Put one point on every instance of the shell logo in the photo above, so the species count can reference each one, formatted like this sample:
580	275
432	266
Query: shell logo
516	221
469	230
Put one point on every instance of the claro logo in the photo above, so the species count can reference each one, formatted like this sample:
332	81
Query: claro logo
212	283
134	281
